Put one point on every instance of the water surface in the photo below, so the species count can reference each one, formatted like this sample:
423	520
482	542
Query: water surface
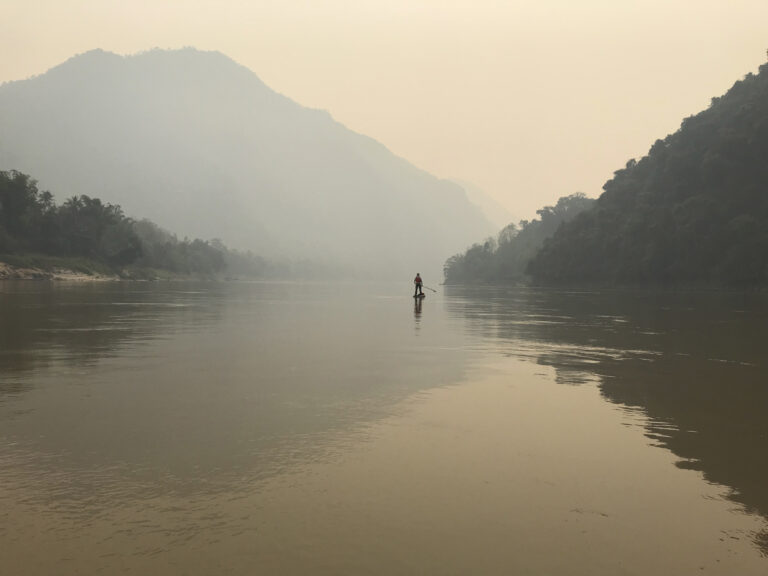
237	428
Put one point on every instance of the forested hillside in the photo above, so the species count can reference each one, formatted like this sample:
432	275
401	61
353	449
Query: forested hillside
694	211
84	233
504	259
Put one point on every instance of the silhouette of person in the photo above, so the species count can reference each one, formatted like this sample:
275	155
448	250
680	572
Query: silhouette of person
417	285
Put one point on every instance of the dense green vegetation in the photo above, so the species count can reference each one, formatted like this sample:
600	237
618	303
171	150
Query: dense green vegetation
504	259
88	235
694	211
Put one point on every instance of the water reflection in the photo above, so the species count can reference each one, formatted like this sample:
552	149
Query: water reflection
128	391
45	323
694	363
249	427
417	311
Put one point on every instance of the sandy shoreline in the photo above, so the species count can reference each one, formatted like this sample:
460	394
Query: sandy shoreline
8	272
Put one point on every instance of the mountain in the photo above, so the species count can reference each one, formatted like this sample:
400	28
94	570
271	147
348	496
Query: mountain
199	144
494	212
694	211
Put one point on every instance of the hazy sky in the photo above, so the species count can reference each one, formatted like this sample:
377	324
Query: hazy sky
530	100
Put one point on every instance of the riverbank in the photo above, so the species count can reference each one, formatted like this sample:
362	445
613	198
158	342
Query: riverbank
41	267
10	272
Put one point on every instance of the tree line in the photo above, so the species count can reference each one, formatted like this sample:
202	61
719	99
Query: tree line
85	227
504	259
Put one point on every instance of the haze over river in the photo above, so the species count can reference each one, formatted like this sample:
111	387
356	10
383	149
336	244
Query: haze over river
279	428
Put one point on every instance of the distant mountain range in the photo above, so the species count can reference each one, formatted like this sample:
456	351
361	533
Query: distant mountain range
200	145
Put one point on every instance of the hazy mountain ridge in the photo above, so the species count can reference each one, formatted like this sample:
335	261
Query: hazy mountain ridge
494	212
198	143
693	211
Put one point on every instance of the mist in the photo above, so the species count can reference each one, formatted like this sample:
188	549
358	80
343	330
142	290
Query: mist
214	356
198	144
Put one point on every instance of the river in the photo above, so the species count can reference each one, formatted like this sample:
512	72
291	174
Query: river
288	428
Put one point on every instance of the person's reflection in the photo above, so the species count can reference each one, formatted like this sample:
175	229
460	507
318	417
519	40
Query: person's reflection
417	311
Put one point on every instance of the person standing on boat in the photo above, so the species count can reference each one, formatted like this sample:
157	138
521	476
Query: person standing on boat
417	285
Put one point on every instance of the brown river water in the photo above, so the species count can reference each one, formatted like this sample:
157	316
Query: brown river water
286	428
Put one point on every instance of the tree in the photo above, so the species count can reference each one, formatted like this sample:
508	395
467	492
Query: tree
505	259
